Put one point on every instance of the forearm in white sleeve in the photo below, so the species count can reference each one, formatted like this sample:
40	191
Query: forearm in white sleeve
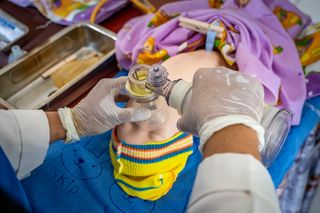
233	183
24	137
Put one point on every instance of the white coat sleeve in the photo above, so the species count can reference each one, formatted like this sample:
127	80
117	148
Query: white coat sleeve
24	137
233	183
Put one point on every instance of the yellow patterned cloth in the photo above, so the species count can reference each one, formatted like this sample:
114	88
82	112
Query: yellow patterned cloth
148	171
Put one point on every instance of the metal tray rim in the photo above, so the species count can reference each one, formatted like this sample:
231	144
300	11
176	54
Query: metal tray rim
55	37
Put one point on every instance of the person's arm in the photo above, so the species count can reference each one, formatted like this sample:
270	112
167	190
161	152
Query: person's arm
24	137
57	131
225	110
233	139
231	177
25	134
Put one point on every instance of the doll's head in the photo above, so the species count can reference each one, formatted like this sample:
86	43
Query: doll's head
148	156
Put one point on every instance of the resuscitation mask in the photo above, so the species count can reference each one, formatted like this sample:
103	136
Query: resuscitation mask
146	83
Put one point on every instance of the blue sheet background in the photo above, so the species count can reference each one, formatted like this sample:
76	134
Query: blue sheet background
10	185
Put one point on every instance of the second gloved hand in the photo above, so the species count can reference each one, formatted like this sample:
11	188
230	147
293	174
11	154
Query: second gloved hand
222	97
98	112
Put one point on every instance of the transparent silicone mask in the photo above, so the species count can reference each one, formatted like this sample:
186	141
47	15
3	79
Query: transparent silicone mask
159	114
141	96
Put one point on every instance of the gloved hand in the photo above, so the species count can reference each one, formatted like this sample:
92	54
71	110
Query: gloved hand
98	112
222	97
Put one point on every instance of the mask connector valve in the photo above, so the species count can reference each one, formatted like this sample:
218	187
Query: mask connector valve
136	84
158	81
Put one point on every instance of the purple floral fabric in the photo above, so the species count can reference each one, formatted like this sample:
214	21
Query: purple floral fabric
291	18
313	84
67	12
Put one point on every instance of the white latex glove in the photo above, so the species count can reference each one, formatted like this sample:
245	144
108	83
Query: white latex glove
98	112
222	97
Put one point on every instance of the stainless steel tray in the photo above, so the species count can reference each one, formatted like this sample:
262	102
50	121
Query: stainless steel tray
48	71
11	30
